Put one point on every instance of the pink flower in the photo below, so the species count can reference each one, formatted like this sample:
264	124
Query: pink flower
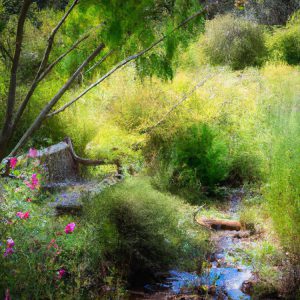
70	228
61	273
20	214
10	243
8	251
34	182
32	153
23	215
7	295
34	179
13	162
28	200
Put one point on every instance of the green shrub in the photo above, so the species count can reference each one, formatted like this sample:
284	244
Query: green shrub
235	42
199	156
192	160
141	231
127	233
284	43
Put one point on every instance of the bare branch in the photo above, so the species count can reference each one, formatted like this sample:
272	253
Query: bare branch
53	64
185	97
74	46
123	63
99	62
35	83
51	38
40	118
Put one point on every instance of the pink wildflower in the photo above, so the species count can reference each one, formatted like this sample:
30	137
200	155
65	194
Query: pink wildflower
32	153
7	295
8	251
28	199
22	215
61	273
70	228
10	243
34	179
13	162
34	182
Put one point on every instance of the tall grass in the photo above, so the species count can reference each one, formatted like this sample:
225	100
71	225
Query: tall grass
283	189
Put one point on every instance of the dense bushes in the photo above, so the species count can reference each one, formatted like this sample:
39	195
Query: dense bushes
190	161
234	41
199	157
127	233
140	231
284	43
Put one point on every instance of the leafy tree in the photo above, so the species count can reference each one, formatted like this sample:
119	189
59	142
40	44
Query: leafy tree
122	30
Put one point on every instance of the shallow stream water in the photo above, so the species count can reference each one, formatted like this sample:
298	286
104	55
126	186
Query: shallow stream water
224	277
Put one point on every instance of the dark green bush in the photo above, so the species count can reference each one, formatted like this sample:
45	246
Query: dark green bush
284	44
200	157
137	230
190	161
235	42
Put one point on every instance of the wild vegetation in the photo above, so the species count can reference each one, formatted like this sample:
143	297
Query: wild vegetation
208	102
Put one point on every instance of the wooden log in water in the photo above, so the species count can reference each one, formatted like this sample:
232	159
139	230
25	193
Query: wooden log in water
219	224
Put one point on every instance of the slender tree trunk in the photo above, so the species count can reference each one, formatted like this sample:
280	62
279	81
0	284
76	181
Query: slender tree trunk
42	116
7	130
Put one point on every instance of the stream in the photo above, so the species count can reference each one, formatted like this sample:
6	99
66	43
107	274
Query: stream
226	277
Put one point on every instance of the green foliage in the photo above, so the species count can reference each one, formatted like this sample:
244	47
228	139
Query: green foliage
284	43
129	231
235	42
141	231
199	157
191	160
283	190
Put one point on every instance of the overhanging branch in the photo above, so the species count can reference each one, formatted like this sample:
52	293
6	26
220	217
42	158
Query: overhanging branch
40	118
123	63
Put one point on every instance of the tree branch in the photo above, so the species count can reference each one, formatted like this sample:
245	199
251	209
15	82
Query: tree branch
54	63
185	97
11	98
40	118
35	83
99	62
51	39
43	70
123	63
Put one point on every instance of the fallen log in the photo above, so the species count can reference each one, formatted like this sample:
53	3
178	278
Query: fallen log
219	224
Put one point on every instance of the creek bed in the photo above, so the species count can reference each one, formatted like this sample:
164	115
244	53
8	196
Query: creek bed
225	276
